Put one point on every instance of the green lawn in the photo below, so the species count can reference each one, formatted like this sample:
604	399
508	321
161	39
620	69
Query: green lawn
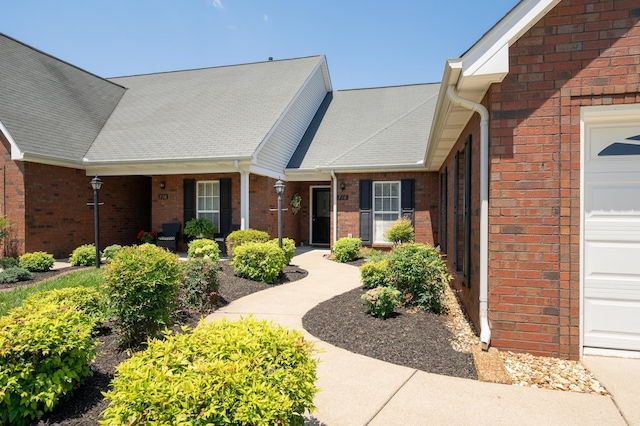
84	278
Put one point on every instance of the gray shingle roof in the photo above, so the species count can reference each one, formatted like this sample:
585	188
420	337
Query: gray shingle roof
213	113
383	127
48	106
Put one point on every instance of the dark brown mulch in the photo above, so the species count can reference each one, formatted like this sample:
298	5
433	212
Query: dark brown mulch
87	402
410	337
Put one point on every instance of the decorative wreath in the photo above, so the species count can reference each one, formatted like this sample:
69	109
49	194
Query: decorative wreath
295	203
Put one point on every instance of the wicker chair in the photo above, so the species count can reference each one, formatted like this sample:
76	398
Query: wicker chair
169	236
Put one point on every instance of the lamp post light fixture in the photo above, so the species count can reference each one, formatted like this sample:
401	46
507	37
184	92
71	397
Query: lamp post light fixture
279	187
96	183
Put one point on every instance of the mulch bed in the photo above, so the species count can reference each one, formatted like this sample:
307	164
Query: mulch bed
414	339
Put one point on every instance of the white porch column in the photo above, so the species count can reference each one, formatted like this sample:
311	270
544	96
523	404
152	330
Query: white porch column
244	200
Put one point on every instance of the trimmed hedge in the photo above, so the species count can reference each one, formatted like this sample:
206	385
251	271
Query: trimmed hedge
89	300
44	354
38	261
247	372
204	247
375	274
289	248
347	249
259	261
85	255
243	236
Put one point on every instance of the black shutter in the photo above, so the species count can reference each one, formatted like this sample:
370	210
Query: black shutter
408	202
366	213
189	207
225	206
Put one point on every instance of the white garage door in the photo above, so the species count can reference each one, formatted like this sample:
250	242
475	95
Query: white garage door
611	246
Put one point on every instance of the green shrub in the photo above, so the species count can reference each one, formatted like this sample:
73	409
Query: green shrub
200	284
85	255
243	236
14	274
259	261
246	372
400	232
204	248
381	301
347	249
44	354
289	248
38	261
89	300
9	262
418	271
375	274
111	250
142	284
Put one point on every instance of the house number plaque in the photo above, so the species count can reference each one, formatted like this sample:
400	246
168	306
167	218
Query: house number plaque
343	196
163	196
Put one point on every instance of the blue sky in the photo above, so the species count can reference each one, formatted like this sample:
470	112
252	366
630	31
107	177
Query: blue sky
367	43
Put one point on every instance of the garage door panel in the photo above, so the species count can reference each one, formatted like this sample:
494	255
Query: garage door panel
607	325
611	230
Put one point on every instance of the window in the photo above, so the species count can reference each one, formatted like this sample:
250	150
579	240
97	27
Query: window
208	201
386	207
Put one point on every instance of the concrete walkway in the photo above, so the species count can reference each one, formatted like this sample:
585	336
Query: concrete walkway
358	390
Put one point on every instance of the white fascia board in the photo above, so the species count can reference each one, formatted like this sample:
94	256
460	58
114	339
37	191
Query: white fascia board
16	153
160	168
49	160
490	54
323	61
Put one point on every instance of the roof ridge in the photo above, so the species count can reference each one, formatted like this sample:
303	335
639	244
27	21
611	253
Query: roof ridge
382	129
388	87
215	67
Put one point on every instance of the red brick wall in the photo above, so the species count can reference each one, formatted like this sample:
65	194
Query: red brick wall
469	293
13	205
582	53
57	218
426	203
172	209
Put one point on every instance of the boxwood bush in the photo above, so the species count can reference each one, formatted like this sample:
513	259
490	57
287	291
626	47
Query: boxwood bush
375	274
418	271
347	249
243	236
14	274
200	284
381	301
289	247
259	261
44	354
9	262
247	372
204	247
142	284
85	255
38	261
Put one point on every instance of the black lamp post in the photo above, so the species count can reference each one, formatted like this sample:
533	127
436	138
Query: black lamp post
279	187
96	183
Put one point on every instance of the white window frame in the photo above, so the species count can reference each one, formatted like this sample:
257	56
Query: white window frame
208	212
385	224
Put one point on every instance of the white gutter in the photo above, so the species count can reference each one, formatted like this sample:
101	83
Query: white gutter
335	205
244	196
485	331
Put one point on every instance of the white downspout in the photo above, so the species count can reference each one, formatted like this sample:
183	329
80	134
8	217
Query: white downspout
485	331
334	190
244	196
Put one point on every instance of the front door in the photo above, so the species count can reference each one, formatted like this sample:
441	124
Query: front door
321	216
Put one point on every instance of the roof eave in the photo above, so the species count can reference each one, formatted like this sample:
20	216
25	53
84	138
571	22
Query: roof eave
485	63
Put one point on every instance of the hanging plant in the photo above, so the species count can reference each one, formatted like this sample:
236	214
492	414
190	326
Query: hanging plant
295	203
